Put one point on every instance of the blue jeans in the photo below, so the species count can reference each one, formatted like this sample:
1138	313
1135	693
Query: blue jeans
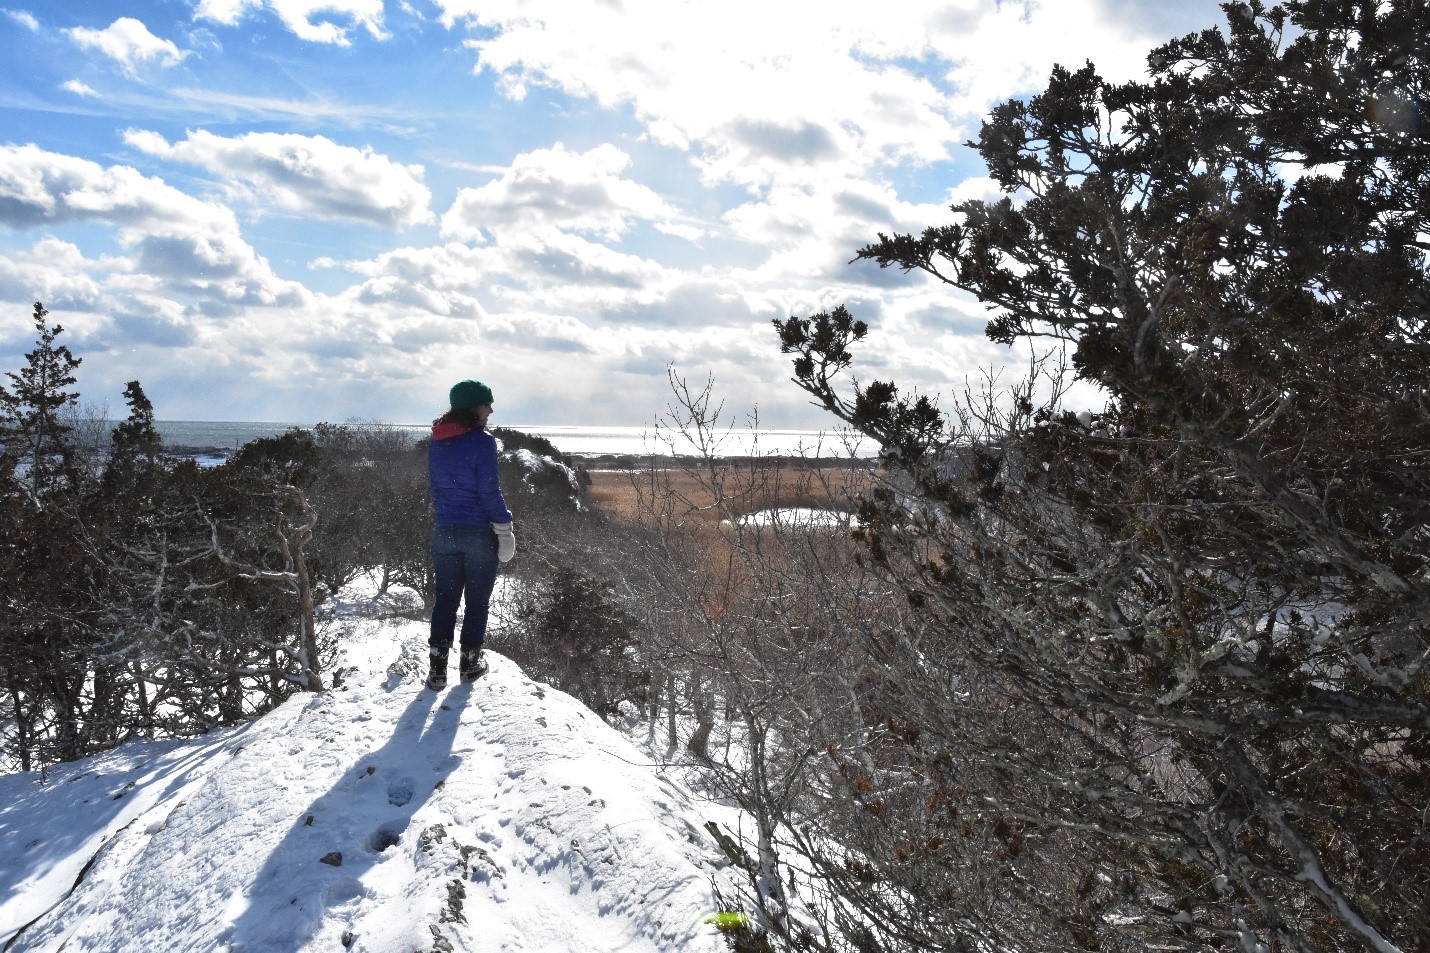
465	560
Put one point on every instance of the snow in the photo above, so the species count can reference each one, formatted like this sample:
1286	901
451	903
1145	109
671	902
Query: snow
378	816
799	517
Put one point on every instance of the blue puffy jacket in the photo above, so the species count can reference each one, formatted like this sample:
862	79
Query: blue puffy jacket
462	476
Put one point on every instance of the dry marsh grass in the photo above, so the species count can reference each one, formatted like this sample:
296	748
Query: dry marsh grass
689	495
692	510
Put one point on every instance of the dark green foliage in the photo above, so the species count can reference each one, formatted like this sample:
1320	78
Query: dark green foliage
371	489
573	634
290	457
1200	617
145	597
139	595
32	429
537	444
135	444
46	550
538	486
368	484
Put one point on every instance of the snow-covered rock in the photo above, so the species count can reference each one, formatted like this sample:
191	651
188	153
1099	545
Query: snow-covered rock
379	817
543	475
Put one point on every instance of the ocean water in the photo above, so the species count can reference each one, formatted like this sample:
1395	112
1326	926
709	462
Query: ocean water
216	435
219	438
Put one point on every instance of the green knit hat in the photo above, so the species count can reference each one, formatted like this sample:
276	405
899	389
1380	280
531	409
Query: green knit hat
469	394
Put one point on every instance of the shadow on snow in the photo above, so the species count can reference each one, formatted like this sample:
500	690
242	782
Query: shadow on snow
320	863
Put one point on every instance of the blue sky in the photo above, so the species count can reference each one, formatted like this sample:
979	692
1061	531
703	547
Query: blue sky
305	210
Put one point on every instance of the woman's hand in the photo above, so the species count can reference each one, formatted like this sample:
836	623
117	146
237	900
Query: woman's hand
506	541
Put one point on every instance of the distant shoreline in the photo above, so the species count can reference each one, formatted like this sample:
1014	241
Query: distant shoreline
617	447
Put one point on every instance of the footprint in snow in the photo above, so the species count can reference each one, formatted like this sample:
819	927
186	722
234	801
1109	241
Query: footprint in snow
400	791
386	836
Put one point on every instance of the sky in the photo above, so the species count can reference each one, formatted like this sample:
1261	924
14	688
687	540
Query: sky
333	210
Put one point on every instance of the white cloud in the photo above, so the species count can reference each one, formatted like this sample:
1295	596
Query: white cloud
216	105
129	43
52	271
540	272
823	117
306	175
310	20
766	93
191	246
557	188
221	270
554	334
25	18
441	280
564	270
40	187
814	85
802	88
976	188
812	231
687	232
78	88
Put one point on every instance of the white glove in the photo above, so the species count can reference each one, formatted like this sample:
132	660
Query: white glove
506	542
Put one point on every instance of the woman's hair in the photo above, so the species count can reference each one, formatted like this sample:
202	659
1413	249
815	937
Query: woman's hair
466	416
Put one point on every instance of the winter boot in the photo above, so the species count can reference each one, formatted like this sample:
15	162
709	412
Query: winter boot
474	666
437	677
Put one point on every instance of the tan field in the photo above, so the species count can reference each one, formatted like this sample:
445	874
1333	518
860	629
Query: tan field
690	495
681	504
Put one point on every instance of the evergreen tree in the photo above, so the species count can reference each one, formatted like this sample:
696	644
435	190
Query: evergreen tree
585	642
135	442
49	626
150	599
1188	636
32	406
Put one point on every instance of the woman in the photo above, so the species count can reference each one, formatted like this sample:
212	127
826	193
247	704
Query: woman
473	531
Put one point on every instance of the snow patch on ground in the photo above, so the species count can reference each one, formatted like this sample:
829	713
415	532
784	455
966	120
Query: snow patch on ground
379	816
800	517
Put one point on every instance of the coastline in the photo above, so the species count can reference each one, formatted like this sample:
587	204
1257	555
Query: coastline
600	447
